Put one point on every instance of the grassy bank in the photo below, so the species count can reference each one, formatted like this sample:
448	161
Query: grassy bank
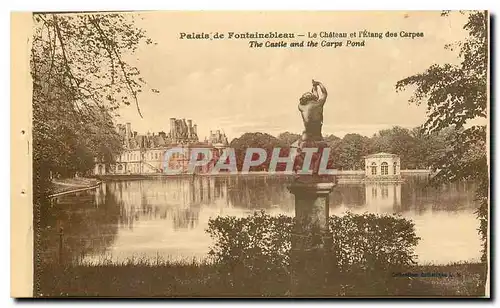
192	279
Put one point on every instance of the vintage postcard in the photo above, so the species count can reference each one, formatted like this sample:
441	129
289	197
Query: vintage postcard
250	154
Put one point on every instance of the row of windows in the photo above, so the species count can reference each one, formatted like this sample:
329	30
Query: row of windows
129	157
132	157
131	168
384	168
157	155
154	155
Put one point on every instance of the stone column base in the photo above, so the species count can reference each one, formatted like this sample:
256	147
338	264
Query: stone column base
311	237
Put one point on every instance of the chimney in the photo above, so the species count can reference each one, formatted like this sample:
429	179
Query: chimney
172	129
185	128
190	128
128	130
195	129
135	134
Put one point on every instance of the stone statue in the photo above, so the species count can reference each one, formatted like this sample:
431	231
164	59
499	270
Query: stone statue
311	109
311	237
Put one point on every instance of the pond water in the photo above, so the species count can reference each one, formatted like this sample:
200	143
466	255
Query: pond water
167	218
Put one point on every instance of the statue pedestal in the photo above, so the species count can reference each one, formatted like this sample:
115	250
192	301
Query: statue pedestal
310	255
311	204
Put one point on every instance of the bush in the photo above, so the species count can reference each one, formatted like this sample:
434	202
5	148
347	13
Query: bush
254	252
251	251
371	241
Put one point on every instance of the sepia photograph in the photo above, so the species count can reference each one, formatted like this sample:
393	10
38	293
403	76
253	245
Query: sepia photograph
252	154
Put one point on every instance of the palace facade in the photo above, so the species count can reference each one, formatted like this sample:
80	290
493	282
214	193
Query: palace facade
144	154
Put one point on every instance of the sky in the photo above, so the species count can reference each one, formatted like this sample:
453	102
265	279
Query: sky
225	85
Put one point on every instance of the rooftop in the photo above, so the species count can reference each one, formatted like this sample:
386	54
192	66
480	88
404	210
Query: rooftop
381	154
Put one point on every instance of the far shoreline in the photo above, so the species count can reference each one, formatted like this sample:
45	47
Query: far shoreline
341	176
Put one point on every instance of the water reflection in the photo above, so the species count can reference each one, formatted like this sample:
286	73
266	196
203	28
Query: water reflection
169	216
89	223
383	197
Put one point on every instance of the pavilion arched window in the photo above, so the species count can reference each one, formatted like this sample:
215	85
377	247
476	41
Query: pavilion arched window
395	168
384	168
374	168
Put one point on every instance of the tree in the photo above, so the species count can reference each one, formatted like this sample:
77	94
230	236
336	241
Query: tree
88	51
430	146
351	151
287	139
456	94
254	140
334	157
400	141
80	78
332	140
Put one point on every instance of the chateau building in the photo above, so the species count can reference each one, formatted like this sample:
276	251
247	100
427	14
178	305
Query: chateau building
144	154
217	139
